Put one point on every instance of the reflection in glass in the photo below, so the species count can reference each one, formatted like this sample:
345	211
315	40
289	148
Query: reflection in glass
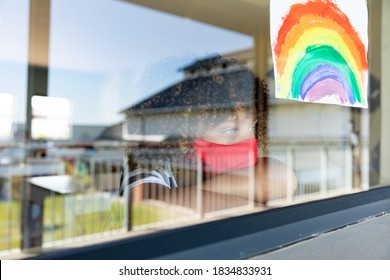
6	112
50	118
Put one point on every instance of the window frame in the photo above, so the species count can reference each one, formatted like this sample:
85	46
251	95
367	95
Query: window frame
240	237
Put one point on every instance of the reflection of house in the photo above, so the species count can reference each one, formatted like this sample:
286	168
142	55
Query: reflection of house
157	117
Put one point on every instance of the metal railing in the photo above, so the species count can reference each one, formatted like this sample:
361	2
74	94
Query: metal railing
321	169
93	207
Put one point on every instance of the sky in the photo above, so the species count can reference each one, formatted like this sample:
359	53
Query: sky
106	55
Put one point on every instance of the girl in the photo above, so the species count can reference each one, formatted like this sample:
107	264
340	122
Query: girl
220	117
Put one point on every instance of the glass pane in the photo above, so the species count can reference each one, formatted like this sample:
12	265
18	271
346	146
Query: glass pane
120	116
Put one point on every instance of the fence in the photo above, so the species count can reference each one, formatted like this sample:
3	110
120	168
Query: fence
321	169
93	207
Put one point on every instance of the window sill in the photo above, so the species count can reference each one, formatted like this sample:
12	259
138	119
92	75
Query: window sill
250	236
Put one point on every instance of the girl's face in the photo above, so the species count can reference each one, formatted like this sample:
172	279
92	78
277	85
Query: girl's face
238	128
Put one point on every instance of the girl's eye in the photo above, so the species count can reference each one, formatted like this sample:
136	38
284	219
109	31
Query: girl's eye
230	131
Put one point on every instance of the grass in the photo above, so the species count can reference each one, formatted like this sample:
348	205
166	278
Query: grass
10	233
64	219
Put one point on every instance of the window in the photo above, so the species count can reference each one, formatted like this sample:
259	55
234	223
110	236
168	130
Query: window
171	117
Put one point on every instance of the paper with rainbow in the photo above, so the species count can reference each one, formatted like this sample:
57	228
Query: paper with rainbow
319	50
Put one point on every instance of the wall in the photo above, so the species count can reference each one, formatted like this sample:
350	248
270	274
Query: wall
385	95
313	121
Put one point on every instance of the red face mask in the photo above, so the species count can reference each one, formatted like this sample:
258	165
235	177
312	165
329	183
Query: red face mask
219	158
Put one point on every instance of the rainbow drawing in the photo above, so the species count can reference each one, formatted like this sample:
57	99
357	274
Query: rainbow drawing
319	50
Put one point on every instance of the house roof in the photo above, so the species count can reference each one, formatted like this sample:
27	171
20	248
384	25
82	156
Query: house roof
201	92
213	62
